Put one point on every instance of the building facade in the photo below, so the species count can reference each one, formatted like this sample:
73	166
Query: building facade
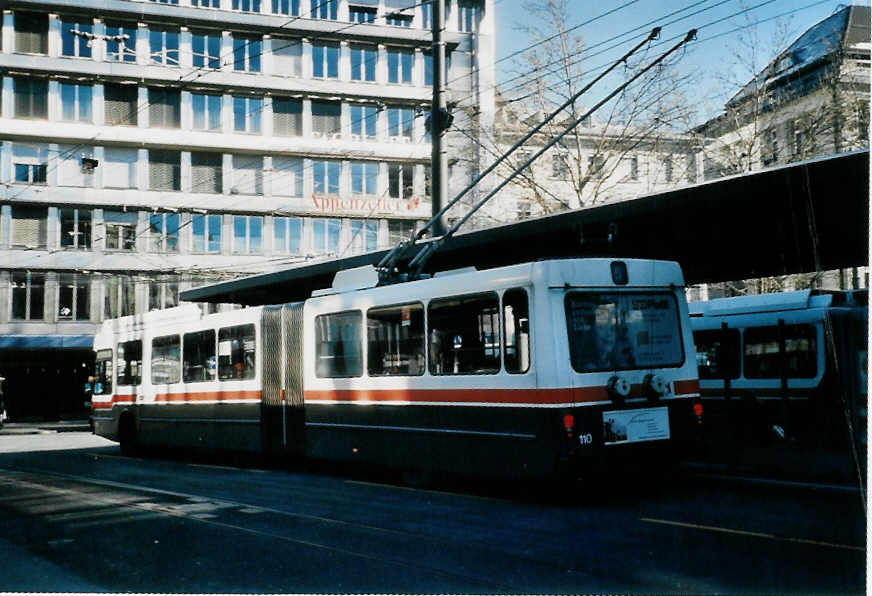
147	147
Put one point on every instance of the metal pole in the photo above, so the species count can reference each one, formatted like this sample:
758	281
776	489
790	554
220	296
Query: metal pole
438	166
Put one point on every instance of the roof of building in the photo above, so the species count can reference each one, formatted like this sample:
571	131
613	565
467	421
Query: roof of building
845	29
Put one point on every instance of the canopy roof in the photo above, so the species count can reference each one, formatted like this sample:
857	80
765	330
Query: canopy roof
803	217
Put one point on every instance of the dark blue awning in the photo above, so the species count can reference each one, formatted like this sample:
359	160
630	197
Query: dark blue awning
37	342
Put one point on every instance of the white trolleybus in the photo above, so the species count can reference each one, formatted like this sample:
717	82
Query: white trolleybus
788	366
531	369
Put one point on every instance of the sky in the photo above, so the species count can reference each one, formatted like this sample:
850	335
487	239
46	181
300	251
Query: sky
710	56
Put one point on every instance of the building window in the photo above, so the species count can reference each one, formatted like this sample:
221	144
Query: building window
324	9
400	180
31	98
428	67
70	169
28	296
632	167
469	10
363	122
246	53
286	7
287	117
246	114
399	20
30	173
246	5
326	175
363	60
164	169
73	44
206	3
163	232
364	236
120	103
325	235
771	147
74	300
121	43
164	107
247	234
207	111
287	176
361	14
120	230
164	46
325	60
31	33
596	166
172	2
401	122
206	49
427	15
163	292
287	235
29	227
119	167
206	233
364	177
247	175
207	172
400	64
326	118
75	228
287	57
668	168
76	102
399	231
559	165
119	297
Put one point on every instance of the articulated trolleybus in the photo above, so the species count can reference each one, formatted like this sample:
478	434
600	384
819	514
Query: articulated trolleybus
531	369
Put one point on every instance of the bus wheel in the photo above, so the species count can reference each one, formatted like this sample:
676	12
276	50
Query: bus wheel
127	435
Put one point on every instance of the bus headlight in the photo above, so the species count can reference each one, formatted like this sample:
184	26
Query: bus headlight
618	388
654	386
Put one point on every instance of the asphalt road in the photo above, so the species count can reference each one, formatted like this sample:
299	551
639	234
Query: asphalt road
77	516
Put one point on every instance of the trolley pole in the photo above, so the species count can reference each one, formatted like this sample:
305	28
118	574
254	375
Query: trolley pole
438	115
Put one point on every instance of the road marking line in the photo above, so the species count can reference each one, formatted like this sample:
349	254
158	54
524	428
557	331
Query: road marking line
667	522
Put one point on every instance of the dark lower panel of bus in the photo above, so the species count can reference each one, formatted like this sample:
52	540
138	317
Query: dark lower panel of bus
471	440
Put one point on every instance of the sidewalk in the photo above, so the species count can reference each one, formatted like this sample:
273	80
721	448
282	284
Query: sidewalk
36	428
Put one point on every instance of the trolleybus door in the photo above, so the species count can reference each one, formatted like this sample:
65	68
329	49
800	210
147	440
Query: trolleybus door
282	419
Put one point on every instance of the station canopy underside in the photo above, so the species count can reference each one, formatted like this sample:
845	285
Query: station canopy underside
800	218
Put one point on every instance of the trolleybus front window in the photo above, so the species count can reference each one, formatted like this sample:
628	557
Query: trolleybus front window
621	331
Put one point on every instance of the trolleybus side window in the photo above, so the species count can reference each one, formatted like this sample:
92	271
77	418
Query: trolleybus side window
395	339
338	349
516	328
103	373
762	358
166	360
717	353
199	356
129	362
465	335
621	331
236	352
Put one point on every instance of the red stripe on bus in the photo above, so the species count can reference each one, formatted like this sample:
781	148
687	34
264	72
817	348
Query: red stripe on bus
207	396
494	396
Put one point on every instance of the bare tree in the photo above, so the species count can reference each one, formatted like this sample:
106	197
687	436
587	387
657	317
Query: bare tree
629	147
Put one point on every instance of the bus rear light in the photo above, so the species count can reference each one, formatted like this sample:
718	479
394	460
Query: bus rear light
697	410
569	423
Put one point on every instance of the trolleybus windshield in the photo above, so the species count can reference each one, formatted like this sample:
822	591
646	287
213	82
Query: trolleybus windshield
621	331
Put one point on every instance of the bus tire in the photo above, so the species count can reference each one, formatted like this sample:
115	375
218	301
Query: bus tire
127	435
